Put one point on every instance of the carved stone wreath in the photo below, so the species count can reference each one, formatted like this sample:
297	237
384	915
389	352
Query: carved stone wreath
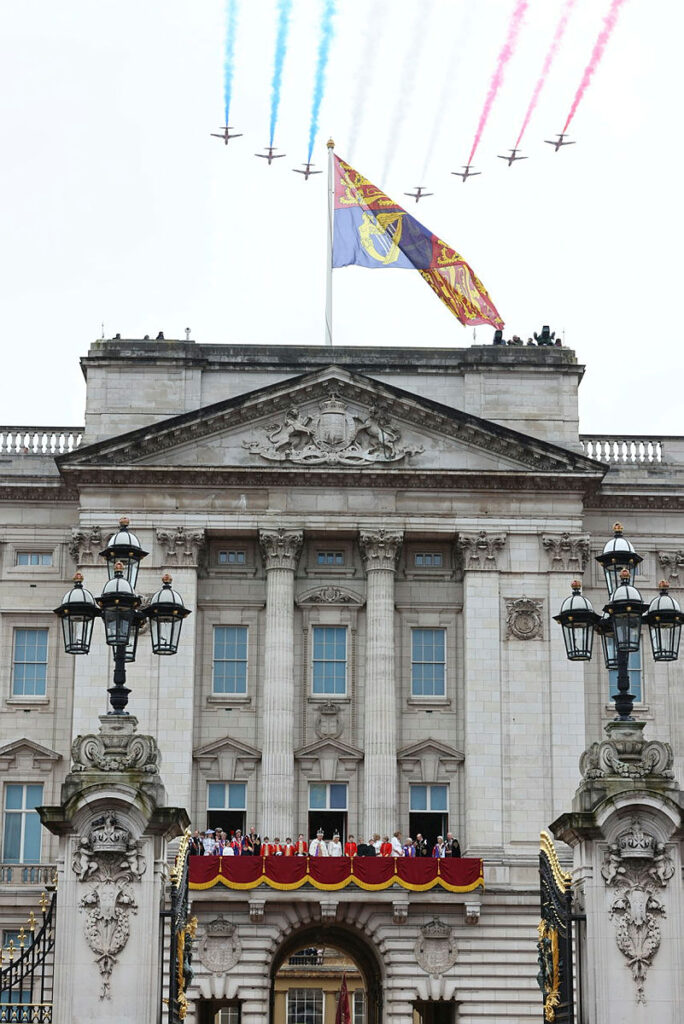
524	618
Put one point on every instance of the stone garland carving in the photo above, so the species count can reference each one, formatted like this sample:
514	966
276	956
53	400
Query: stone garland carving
635	868
380	549
435	947
670	564
219	949
479	550
567	552
610	757
333	436
85	545
181	546
109	860
115	753
524	618
281	549
330	595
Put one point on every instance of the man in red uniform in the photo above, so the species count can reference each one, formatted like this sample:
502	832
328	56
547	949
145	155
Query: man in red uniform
350	847
288	848
301	848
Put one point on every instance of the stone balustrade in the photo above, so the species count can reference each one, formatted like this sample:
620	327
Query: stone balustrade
626	450
39	440
27	874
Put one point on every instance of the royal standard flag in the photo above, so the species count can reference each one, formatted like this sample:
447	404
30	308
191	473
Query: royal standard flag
371	230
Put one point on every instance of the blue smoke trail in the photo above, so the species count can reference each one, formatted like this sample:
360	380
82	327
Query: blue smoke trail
284	10
321	65
231	26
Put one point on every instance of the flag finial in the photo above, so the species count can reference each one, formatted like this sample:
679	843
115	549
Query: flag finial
330	144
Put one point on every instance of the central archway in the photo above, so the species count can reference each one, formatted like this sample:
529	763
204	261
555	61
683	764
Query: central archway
348	941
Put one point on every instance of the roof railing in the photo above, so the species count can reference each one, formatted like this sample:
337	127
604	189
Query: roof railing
39	440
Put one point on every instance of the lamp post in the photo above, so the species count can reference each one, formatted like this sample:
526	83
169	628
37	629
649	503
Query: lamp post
119	607
620	625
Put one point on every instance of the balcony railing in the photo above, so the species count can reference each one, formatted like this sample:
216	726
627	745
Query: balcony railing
624	450
27	874
39	440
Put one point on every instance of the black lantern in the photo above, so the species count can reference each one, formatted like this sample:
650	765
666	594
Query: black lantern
77	611
626	609
124	547
578	619
604	629
119	603
166	612
618	554
664	618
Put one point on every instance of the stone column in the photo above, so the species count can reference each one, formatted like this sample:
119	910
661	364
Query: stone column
380	550
625	829
113	830
280	550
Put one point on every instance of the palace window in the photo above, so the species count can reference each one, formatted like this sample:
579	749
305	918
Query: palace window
428	662
226	806
22	828
329	667
230	659
635	682
328	809
29	676
428	559
235	557
428	811
305	1006
330	558
359	1006
228	1015
34	558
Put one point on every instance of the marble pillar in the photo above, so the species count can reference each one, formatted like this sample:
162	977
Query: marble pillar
380	550
280	550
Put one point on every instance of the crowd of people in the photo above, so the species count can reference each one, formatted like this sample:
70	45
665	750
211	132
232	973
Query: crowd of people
216	842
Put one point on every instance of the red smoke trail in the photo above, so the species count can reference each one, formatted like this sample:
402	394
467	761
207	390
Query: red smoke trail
609	23
548	60
507	51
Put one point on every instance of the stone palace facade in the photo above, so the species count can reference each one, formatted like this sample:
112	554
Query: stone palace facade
372	542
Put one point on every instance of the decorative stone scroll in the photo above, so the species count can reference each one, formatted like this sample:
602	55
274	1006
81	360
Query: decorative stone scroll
435	947
181	546
671	562
219	949
636	867
627	755
280	549
480	550
568	552
333	436
85	545
380	549
118	748
330	595
524	618
109	859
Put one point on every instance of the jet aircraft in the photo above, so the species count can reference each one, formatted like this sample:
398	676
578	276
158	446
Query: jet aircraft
307	171
419	193
466	172
225	134
270	154
562	141
512	157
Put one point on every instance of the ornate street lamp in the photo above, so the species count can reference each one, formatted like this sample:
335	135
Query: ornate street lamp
119	607
620	625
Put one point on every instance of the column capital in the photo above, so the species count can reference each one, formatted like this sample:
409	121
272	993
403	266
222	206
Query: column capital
480	550
280	549
380	548
568	552
181	546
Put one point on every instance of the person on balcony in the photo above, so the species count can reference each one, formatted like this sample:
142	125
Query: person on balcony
452	846
335	846
350	847
318	847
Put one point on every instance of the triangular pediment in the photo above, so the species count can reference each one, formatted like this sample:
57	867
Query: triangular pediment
329	748
27	754
330	420
226	758
430	746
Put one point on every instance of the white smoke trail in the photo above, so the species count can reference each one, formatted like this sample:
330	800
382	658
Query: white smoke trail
364	71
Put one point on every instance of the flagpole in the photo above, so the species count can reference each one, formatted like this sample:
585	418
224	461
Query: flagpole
328	282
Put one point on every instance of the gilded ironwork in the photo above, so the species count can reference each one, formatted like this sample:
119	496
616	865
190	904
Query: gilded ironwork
27	972
182	937
554	944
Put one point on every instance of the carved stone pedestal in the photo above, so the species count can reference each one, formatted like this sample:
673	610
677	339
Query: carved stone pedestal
626	834
113	828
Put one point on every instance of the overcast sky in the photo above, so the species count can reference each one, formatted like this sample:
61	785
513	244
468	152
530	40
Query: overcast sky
118	207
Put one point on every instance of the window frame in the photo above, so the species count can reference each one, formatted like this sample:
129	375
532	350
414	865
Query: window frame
29	697
228	694
329	694
290	1019
328	806
227	783
428	696
633	671
22	812
429	786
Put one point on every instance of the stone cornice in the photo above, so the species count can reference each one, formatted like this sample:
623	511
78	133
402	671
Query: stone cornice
281	549
380	548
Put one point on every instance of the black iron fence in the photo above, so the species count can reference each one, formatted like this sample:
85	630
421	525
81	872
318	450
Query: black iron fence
27	969
178	940
554	945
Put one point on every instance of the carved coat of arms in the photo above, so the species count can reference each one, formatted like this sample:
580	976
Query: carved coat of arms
333	436
435	947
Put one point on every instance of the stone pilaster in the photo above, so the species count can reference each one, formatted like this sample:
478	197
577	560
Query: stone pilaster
380	550
280	550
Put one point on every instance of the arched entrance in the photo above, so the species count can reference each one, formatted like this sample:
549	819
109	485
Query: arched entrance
350	943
